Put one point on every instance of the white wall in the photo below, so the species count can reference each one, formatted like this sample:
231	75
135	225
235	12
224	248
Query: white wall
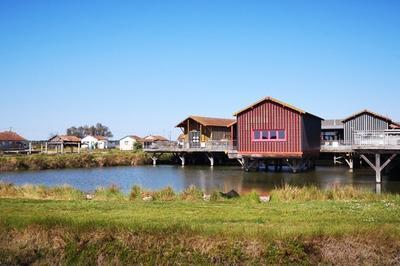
126	144
90	142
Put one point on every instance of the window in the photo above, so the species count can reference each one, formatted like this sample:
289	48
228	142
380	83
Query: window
126	142
264	134
269	135
272	134
281	134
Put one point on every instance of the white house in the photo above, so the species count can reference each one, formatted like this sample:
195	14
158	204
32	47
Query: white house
128	143
94	142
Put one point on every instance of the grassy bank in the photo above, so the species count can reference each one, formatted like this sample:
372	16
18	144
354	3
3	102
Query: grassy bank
298	226
82	160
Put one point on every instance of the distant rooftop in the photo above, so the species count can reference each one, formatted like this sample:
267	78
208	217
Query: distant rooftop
332	124
10	136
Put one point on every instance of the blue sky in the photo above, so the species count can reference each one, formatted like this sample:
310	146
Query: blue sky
140	67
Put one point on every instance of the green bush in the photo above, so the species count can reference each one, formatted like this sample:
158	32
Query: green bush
135	193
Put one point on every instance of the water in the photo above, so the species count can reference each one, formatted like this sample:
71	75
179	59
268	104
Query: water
221	178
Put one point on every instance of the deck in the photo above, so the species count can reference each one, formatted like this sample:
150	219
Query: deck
368	141
387	141
224	146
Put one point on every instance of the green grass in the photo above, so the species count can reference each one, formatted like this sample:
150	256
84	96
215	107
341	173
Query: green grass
298	226
229	218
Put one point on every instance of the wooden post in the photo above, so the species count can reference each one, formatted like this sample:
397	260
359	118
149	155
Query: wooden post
154	158
45	148
62	148
79	147
241	161
30	147
182	157
201	135
378	168
350	161
211	158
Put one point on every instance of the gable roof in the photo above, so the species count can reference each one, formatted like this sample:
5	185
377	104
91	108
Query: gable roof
10	136
365	111
133	137
273	100
154	138
100	137
208	121
65	138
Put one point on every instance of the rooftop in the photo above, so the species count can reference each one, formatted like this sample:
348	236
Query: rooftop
209	121
10	136
270	99
365	111
332	124
64	138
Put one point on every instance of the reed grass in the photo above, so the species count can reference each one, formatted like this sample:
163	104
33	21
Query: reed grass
289	193
110	193
286	193
64	192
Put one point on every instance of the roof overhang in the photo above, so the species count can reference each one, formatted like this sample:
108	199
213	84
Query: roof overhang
365	111
208	121
273	100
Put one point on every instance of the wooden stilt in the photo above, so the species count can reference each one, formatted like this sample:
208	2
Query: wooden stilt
377	166
210	158
182	157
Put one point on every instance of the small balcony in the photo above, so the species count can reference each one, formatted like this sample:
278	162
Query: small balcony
176	146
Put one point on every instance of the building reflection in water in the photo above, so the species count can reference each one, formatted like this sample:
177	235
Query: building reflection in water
227	178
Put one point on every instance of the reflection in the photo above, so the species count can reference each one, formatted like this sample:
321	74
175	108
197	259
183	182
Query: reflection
378	188
218	178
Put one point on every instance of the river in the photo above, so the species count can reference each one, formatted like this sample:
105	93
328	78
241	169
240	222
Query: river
221	178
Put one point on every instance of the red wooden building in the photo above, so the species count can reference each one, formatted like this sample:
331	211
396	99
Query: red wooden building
271	129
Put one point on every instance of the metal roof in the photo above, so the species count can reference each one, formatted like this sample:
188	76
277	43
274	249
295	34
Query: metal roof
332	124
365	111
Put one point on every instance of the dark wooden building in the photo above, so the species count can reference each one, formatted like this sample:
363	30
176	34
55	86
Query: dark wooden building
10	140
332	130
198	130
59	142
365	121
270	128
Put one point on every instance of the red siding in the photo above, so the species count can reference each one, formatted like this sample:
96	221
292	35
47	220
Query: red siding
269	115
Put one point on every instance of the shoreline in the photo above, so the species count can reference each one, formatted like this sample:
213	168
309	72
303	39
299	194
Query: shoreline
10	163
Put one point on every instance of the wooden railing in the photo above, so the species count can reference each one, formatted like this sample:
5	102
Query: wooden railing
385	139
175	146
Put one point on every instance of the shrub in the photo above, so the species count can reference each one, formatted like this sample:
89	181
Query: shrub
135	193
111	193
165	194
191	193
252	197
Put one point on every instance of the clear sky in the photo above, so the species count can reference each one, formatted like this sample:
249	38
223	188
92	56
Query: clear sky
141	67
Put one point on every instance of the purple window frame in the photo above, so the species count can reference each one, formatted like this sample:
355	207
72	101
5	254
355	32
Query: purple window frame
261	134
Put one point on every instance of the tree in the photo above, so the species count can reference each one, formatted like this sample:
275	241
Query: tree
137	146
96	130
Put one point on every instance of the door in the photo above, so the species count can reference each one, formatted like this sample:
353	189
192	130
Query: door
194	139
